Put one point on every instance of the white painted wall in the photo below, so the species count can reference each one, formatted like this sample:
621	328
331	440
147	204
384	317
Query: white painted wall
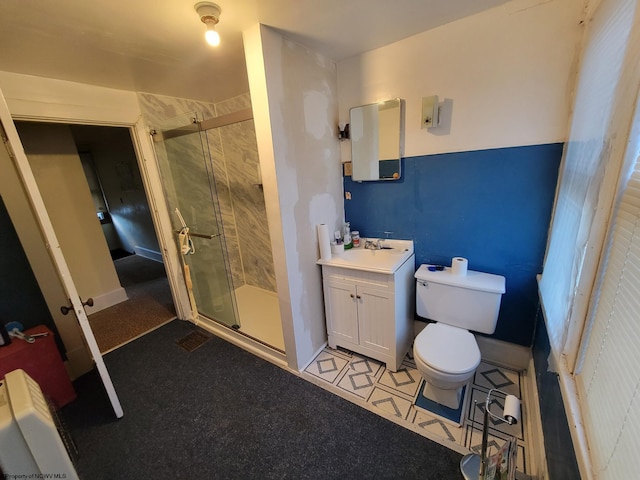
294	100
508	72
116	166
58	171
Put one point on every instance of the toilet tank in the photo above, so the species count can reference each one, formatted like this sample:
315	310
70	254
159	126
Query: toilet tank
470	301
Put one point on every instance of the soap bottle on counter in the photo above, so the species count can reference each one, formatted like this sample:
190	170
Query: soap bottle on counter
348	241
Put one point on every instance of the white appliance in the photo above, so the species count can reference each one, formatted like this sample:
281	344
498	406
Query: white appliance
30	443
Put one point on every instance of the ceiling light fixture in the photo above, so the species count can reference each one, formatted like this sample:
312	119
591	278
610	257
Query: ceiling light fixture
210	16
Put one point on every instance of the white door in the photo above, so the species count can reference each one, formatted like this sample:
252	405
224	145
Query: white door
16	151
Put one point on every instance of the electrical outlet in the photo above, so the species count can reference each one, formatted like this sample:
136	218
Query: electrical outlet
348	170
347	195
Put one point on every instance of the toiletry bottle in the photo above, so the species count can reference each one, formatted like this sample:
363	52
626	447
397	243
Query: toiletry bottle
348	242
355	238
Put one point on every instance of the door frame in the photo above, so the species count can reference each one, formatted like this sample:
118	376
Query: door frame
52	101
16	152
57	101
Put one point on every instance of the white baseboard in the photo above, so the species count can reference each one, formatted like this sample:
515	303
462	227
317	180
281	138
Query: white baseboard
573	410
106	300
504	353
147	253
536	452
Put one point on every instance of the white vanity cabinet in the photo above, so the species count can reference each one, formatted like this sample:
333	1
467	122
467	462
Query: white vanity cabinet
370	312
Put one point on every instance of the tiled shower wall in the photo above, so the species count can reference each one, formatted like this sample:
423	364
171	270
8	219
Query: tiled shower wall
234	154
240	156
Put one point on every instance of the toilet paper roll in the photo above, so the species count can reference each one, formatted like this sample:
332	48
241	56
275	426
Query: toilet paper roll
459	266
511	409
323	242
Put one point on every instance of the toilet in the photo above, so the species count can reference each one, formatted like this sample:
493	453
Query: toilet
446	352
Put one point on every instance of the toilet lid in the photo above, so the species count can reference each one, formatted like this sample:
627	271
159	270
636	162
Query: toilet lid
448	349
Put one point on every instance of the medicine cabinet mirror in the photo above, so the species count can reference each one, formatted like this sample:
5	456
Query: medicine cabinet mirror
376	140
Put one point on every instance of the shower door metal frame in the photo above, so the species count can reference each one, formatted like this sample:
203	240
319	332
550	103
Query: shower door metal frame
202	127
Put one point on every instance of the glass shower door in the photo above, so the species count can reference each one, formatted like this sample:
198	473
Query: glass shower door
190	189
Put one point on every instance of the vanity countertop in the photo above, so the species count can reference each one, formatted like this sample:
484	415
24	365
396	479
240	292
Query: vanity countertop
385	260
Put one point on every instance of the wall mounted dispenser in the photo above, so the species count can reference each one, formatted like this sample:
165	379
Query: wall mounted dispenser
430	111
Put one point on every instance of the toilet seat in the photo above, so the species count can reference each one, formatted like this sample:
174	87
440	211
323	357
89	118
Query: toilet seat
447	349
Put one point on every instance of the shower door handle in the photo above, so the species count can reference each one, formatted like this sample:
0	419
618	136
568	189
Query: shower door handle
202	235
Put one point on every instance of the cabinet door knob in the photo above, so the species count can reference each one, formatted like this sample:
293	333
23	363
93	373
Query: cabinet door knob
351	295
358	296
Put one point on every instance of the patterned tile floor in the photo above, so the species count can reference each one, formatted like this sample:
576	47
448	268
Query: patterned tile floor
364	379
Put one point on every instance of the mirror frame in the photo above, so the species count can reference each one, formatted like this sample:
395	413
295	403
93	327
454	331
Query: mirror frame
363	154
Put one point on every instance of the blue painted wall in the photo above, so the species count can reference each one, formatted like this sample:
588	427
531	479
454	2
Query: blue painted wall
491	206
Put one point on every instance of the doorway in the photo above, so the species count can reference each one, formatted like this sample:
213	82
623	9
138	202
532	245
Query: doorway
92	187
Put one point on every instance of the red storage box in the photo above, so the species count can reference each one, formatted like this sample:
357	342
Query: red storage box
42	361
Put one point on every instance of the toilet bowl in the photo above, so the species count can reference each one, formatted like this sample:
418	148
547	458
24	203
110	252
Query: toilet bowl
447	358
446	352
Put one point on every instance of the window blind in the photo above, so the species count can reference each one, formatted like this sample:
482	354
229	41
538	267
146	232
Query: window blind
609	380
583	163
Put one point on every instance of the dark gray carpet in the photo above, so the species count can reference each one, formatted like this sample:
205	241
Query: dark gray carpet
134	270
222	413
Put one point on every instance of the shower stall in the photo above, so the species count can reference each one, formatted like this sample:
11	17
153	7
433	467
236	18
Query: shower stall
212	184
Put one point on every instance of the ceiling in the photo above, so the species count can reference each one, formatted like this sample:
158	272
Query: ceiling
158	46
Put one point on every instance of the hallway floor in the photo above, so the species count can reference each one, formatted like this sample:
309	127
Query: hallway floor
362	379
149	306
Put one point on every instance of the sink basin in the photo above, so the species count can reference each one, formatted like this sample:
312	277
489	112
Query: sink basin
385	260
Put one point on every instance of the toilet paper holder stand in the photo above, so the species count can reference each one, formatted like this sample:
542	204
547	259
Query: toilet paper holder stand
472	465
